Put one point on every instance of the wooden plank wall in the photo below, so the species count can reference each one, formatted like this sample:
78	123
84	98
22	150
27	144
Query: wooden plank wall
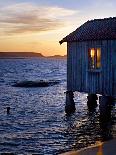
79	78
113	45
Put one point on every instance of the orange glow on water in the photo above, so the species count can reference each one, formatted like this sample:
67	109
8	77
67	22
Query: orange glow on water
100	149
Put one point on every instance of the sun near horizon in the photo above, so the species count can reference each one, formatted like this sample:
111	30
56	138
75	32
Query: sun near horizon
38	26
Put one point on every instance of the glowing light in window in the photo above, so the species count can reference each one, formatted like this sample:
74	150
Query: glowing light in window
98	57
92	53
94	58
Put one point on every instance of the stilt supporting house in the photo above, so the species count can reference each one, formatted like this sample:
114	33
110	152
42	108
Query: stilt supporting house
91	62
70	105
92	101
106	103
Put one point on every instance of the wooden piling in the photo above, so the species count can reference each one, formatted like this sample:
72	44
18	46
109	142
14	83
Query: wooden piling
70	105
92	101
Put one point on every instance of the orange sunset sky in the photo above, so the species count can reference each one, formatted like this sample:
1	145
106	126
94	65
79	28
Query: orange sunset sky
38	25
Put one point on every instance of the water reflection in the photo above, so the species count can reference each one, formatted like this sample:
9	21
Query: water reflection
106	122
104	119
83	133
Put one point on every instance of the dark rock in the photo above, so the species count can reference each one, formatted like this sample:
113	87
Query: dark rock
8	110
40	83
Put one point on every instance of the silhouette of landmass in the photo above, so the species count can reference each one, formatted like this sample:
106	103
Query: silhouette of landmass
27	55
19	54
58	56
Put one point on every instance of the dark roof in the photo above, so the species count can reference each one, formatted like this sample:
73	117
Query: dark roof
97	29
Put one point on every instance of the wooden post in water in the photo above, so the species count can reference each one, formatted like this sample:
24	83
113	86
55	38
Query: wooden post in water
105	107
70	105
92	101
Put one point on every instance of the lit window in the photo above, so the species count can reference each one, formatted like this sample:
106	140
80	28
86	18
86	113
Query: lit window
94	58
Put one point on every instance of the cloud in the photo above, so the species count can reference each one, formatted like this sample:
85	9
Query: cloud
27	17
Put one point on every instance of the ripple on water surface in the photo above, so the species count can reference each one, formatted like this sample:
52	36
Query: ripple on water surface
37	122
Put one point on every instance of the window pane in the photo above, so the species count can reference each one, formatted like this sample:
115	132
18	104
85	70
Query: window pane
92	57
98	65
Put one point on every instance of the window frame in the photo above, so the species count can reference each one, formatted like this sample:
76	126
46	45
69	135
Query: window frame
94	61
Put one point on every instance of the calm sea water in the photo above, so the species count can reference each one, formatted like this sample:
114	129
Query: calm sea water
37	122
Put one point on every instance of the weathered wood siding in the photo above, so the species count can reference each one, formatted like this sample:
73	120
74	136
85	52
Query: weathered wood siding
113	45
80	78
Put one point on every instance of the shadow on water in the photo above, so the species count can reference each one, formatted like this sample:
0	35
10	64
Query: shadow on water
94	127
106	121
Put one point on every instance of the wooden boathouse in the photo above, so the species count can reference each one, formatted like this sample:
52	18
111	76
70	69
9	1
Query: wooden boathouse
91	60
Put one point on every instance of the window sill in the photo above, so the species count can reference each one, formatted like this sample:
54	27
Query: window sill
94	70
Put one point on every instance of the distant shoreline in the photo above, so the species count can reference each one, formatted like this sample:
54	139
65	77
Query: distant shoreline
33	57
27	55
